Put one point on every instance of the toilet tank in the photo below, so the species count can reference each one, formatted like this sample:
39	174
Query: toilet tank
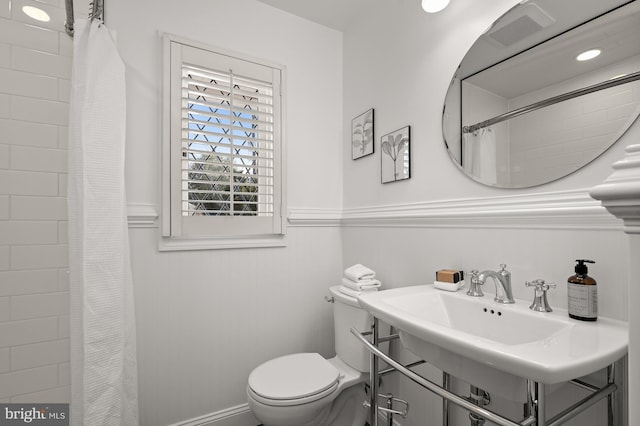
346	314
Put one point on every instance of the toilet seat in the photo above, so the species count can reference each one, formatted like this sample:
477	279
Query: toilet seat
293	379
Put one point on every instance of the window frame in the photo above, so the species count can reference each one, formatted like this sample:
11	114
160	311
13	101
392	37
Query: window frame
171	235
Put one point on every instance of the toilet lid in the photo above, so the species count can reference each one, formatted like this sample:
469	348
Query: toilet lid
293	376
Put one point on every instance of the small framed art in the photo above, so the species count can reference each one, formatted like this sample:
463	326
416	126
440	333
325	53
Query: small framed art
362	135
395	157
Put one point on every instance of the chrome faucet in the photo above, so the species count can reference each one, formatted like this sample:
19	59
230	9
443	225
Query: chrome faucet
502	280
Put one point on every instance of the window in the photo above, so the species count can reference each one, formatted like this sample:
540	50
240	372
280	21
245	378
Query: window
224	155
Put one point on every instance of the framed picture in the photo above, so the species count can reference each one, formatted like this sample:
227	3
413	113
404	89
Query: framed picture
362	135
394	163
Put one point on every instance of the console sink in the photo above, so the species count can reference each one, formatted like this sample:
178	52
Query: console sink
493	345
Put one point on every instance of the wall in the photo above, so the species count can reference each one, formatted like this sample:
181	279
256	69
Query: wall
399	61
206	318
35	68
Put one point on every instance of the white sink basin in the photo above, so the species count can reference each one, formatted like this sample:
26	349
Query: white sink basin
493	345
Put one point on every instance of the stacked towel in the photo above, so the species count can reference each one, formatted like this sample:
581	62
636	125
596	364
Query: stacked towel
359	272
359	279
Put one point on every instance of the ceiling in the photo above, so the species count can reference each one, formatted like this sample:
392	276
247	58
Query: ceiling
336	14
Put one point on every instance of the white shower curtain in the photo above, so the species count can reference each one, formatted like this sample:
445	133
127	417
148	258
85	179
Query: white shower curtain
479	155
103	341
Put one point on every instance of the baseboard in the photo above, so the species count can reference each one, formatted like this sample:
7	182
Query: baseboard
240	415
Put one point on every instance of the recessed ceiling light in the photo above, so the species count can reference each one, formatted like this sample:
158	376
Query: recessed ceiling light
588	54
433	6
36	13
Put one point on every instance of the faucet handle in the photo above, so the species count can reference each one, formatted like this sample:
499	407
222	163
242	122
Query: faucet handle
540	285
540	302
474	284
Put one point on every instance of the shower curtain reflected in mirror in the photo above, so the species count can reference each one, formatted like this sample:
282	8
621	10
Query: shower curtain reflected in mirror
103	339
479	155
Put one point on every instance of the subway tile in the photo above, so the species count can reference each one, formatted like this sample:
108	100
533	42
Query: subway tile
63	179
58	3
26	84
4	207
14	132
37	62
38	159
39	305
38	208
5	55
28	282
14	333
5	360
27	381
39	354
5	9
64	90
64	327
623	111
39	257
63	136
64	374
39	110
14	232
5	309
5	181
65	44
5	258
21	34
63	279
4	156
63	232
5	105
33	183
57	395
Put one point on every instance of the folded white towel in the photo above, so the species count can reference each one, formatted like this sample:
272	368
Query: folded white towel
355	293
359	272
362	285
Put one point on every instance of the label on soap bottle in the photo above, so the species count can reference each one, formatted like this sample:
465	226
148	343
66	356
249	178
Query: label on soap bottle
583	300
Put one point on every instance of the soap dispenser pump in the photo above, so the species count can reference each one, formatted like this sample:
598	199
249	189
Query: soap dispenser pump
582	293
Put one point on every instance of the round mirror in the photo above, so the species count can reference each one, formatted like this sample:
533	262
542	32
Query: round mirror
525	108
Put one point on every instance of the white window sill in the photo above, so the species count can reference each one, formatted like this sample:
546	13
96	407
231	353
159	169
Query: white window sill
185	244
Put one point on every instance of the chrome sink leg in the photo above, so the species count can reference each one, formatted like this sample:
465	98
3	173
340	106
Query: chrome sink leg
535	403
611	402
373	376
446	385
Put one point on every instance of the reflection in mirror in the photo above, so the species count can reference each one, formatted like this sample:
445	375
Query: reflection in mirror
522	110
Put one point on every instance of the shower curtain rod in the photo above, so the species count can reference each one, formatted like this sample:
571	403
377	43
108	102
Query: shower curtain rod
553	100
97	11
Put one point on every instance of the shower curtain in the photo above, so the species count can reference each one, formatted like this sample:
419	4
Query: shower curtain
479	155
103	341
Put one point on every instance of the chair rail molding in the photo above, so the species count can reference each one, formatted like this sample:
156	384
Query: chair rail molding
620	192
571	209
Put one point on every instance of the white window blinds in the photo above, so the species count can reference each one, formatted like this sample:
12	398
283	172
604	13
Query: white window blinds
226	145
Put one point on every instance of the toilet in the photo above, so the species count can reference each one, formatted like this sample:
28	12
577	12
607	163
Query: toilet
305	389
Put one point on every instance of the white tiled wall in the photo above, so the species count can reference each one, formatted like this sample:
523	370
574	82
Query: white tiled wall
564	136
35	68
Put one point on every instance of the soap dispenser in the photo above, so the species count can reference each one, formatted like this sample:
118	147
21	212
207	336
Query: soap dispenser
582	293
